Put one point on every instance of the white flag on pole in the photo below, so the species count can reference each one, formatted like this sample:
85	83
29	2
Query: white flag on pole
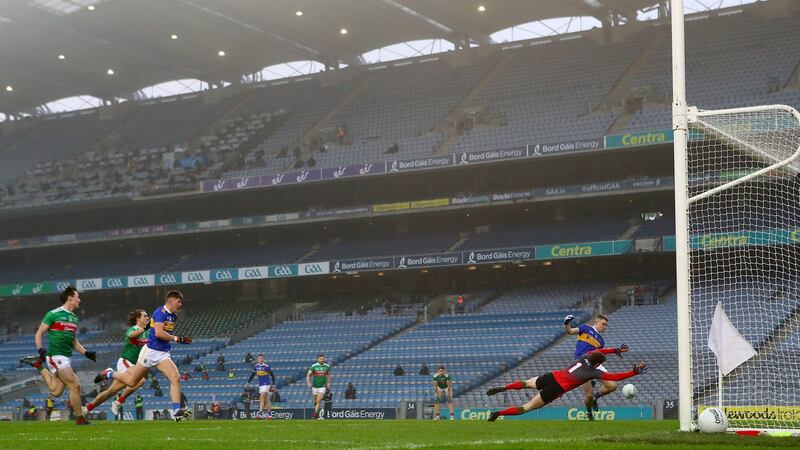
725	341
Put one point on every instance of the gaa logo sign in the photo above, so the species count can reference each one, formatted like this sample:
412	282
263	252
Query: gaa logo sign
142	280
313	269
252	273
88	284
222	275
282	271
196	277
167	278
61	285
115	283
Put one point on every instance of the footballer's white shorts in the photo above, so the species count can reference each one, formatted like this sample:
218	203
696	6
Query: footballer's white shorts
265	388
123	365
150	358
318	391
58	362
443	393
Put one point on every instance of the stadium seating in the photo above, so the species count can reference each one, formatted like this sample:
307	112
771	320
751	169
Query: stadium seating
736	59
556	100
740	59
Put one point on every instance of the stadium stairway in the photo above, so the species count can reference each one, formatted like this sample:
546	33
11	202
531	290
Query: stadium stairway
619	92
448	121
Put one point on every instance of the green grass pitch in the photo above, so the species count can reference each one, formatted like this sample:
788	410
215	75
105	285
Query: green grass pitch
362	434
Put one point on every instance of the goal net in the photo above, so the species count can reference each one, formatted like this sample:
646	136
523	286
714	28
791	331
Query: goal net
743	215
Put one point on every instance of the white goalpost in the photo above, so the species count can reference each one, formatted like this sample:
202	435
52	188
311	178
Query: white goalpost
737	217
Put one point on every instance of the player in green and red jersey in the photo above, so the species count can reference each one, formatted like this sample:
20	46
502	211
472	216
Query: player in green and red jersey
135	338
318	379
443	388
61	325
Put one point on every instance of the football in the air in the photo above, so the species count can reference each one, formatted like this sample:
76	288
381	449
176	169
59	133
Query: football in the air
629	391
712	420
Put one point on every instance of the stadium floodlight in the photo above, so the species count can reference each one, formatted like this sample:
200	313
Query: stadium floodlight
737	245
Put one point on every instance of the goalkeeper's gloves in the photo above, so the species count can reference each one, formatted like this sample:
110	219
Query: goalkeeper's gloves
621	349
91	355
42	354
640	368
184	340
568	319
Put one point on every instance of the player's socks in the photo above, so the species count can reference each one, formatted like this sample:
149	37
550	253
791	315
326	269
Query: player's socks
121	399
89	406
512	411
516	385
34	361
104	375
175	407
595	395
589	414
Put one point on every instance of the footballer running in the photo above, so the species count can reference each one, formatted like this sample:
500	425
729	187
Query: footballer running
156	353
135	339
61	326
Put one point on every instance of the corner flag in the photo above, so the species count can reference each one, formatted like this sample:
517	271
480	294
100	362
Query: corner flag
725	341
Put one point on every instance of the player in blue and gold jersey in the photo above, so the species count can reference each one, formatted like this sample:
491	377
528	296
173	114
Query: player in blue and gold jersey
590	338
266	379
156	353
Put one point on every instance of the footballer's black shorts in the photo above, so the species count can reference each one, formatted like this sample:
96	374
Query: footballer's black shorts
548	388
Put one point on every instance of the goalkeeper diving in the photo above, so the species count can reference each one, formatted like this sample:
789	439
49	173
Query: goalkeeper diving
553	385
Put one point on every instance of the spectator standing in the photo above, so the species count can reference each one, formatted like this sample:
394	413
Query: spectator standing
139	402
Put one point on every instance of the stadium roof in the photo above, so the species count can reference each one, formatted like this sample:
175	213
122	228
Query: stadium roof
52	49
